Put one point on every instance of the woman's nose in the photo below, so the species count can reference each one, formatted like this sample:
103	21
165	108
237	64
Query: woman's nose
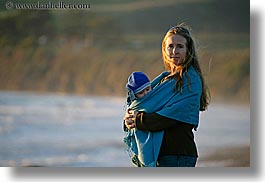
175	50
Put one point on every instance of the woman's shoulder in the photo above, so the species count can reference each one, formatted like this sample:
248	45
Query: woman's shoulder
192	72
193	76
158	79
163	74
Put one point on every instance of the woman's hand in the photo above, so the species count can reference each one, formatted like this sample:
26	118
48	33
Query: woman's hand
130	118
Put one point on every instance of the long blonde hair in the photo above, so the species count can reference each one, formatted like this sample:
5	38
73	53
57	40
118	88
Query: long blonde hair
191	60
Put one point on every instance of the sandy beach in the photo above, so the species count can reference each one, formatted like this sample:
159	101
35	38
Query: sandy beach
226	157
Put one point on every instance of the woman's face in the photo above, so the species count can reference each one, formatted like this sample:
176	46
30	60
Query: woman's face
176	49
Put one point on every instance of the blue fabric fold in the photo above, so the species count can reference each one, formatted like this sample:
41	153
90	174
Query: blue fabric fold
165	100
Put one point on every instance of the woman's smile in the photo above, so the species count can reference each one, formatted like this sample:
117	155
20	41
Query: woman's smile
175	60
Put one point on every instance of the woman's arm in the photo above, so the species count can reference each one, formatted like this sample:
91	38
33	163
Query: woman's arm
154	122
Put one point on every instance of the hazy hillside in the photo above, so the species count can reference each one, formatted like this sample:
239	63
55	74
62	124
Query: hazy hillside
202	15
93	51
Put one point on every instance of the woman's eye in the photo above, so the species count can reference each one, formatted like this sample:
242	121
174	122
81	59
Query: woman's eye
181	46
170	46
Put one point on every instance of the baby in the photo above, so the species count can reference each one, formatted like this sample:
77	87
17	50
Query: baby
138	85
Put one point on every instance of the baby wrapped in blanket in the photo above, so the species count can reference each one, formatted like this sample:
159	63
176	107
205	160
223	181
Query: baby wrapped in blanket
140	143
164	99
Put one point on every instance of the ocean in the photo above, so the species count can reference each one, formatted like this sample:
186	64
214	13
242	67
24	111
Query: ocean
47	129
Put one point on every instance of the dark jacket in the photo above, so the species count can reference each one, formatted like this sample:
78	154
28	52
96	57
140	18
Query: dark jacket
178	136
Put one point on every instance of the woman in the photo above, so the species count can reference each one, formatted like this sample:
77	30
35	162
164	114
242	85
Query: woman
180	114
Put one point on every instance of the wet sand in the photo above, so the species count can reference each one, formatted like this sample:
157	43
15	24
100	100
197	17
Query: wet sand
226	157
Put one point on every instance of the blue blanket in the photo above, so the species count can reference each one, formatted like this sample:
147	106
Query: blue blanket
181	105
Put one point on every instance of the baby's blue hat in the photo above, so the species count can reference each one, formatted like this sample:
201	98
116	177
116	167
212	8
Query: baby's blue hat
137	81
